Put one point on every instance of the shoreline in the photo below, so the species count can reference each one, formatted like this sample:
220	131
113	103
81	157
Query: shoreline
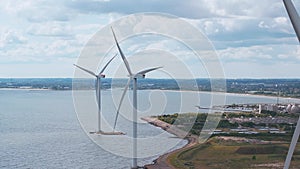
162	161
227	93
167	90
25	89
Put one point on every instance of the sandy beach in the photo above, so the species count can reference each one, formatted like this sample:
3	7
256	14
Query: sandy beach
162	161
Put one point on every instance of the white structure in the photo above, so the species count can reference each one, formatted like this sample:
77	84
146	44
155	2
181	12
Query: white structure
98	89
295	109
132	77
288	108
268	107
292	108
295	19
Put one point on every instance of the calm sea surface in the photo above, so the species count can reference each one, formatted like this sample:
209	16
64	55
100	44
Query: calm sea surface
40	129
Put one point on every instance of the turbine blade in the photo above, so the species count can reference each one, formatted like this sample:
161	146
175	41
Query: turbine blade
107	65
295	19
88	71
294	16
148	70
121	101
121	53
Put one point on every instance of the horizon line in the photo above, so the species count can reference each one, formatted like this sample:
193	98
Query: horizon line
230	78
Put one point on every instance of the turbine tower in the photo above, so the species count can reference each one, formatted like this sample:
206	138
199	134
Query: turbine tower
98	90
132	77
295	19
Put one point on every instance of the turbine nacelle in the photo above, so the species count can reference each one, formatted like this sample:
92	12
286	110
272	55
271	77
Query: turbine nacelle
139	76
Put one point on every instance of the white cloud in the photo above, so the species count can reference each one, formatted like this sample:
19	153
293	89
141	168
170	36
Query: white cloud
244	28
265	54
41	52
11	37
65	9
254	70
40	31
38	10
191	9
13	7
279	24
50	29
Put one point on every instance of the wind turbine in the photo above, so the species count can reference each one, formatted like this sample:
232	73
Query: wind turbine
295	19
132	77
98	90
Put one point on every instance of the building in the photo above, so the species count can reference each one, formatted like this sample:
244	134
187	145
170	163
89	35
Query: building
268	107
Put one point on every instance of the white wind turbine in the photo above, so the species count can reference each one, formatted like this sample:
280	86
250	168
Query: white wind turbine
295	19
98	90
132	77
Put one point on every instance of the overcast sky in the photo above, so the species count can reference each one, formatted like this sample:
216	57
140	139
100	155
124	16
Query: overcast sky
43	38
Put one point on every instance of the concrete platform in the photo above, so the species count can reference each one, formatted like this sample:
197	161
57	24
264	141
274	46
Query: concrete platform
107	133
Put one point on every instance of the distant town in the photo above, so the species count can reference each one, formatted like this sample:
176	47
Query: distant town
243	119
260	118
270	87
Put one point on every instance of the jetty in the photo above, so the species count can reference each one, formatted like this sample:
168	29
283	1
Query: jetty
107	133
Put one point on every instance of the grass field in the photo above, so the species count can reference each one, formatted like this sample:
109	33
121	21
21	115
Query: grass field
220	154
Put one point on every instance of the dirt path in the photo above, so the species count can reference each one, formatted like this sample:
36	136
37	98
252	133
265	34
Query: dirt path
162	162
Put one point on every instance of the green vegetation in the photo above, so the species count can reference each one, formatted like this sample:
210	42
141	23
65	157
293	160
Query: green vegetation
261	150
269	113
248	124
168	118
264	113
227	124
194	122
262	136
237	115
219	154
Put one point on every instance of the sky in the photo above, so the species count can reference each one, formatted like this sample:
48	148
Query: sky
43	38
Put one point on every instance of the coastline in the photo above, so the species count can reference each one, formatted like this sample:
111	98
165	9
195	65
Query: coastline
167	90
162	161
25	89
230	94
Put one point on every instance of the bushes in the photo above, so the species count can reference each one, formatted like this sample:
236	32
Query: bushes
263	149
248	124
267	112
227	124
